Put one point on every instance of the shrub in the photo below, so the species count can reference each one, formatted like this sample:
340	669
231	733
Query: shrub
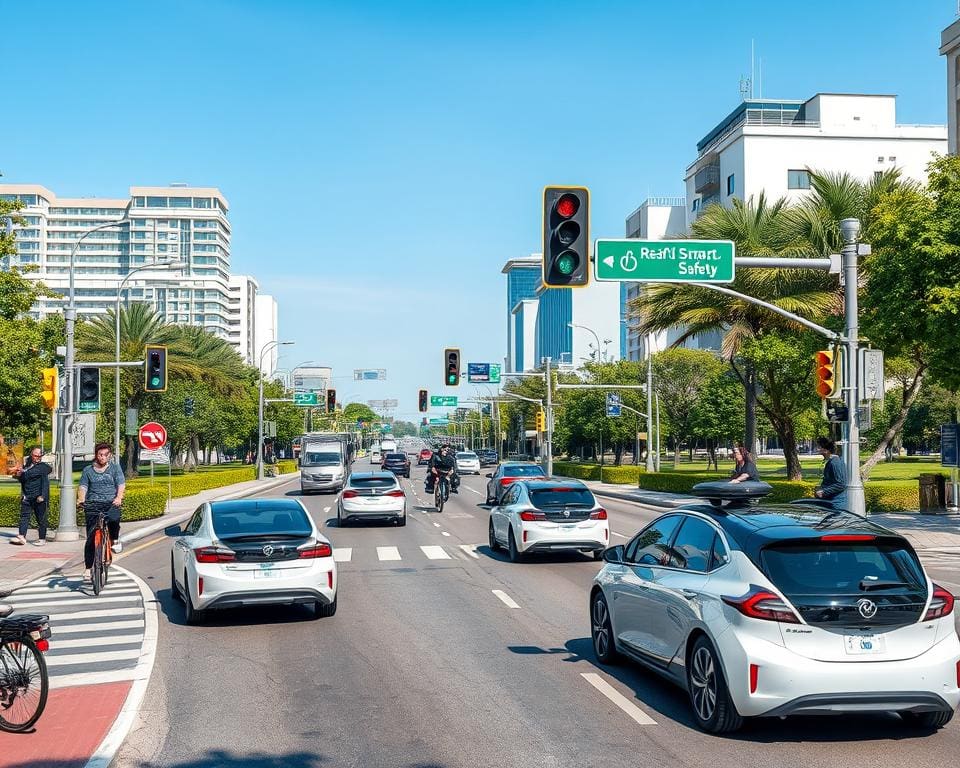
893	496
143	503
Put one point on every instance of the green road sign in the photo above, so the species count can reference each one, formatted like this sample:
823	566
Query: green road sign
443	401
441	422
87	407
494	373
304	398
661	261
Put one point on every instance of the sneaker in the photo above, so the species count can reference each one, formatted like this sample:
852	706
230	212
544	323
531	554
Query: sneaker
39	542
86	575
117	547
18	540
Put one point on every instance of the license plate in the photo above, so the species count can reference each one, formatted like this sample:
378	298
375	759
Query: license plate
568	526
859	645
267	574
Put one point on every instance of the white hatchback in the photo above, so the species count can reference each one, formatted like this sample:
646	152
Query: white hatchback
372	496
548	515
468	463
251	552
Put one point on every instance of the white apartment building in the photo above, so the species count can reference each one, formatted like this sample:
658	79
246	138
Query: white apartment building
950	47
265	331
243	301
768	146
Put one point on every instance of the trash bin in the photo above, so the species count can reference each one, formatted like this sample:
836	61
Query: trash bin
932	493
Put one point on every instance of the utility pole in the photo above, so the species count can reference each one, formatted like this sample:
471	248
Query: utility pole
549	417
856	500
649	464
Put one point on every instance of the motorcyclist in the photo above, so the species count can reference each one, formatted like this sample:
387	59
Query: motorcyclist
442	461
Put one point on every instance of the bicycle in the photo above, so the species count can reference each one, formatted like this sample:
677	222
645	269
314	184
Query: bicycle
24	682
102	553
441	491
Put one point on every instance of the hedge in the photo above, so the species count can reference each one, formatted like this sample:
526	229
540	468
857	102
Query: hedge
140	503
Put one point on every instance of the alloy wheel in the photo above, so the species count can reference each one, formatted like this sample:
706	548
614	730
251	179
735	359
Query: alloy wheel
703	684
601	628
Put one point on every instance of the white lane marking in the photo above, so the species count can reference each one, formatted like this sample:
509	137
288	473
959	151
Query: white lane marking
343	554
444	533
93	678
68	589
88	601
97	627
436	525
619	534
435	553
505	598
388	553
632	710
77	597
426	512
86	642
473	489
326	509
100	614
90	658
471	549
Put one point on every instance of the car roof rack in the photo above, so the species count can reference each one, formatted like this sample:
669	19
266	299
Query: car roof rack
723	493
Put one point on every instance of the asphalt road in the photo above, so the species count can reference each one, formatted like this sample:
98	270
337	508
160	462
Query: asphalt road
460	660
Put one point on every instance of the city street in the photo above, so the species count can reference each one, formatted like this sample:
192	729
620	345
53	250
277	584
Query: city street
445	654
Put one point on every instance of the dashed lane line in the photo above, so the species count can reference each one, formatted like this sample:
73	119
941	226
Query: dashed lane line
342	554
619	534
435	553
436	525
631	709
470	549
505	598
444	533
388	553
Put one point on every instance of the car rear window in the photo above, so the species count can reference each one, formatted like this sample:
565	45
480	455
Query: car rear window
397	456
548	498
257	519
321	457
523	470
372	482
466	455
824	568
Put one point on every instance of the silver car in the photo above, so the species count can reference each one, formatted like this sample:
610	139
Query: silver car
322	467
372	496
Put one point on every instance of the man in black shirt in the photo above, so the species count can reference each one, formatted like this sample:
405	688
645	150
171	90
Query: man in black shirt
34	477
442	461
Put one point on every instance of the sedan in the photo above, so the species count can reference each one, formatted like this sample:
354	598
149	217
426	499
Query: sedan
506	473
398	463
468	463
252	552
372	496
764	610
546	515
488	457
425	455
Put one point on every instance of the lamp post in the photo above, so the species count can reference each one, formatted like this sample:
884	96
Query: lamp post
116	375
266	348
67	528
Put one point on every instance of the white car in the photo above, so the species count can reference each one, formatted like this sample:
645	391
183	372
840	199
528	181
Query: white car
372	496
548	515
777	610
247	552
468	463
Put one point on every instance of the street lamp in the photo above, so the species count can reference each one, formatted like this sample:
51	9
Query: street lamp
595	336
67	528
116	376
266	348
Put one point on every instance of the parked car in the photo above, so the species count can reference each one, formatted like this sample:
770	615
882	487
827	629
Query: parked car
768	610
252	552
372	496
398	463
467	462
505	474
425	455
548	515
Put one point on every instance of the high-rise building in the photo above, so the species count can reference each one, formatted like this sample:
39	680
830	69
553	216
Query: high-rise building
523	279
265	331
950	47
770	146
243	302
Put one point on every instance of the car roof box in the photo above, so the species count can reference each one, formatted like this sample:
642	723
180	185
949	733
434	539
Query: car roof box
735	494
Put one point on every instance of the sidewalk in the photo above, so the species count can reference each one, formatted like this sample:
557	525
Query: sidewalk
21	565
925	532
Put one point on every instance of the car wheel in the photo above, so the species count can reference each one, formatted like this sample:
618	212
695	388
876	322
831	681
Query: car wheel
928	721
193	616
598	554
401	521
515	554
174	589
709	697
601	630
492	539
324	611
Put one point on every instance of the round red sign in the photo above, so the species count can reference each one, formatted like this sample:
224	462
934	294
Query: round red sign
152	435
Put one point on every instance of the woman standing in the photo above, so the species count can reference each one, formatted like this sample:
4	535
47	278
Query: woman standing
746	468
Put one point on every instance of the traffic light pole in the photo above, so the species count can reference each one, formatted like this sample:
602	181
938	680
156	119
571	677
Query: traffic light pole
856	499
549	417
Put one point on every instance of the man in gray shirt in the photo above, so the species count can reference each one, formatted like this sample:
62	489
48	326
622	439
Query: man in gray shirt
102	486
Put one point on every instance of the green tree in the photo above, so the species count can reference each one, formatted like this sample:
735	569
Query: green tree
718	414
354	412
405	429
680	376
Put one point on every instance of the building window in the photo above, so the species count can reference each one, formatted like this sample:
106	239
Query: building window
731	184
798	179
695	206
877	175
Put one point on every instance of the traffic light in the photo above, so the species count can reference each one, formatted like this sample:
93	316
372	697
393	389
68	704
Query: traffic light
155	372
541	421
331	400
828	373
423	401
188	405
49	388
88	390
566	236
451	367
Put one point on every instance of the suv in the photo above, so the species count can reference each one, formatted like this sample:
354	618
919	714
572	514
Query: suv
768	610
398	463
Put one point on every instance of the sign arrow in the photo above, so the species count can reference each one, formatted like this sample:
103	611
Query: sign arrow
608	261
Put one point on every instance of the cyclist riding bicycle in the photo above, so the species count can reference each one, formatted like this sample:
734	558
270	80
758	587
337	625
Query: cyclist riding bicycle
101	489
443	461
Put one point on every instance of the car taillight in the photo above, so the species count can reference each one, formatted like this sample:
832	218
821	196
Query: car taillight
350	494
763	605
506	480
941	604
200	585
329	579
531	514
396	494
316	550
214	555
598	514
848	537
754	677
958	674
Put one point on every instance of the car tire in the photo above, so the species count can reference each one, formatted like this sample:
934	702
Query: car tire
713	709
492	539
174	589
598	554
928	721
324	611
192	615
601	630
515	554
401	521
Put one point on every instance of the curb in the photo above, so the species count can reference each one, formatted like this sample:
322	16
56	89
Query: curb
647	503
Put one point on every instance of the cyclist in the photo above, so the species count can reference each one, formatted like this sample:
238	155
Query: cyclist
443	461
101	489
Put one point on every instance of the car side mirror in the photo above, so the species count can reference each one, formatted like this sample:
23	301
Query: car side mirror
613	555
173	530
489	474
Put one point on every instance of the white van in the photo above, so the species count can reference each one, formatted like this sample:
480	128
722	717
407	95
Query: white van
375	453
388	445
323	466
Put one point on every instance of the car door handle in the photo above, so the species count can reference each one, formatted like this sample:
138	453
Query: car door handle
689	595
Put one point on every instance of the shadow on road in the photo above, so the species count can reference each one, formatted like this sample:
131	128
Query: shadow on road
253	616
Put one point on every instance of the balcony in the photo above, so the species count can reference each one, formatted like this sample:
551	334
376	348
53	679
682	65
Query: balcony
707	179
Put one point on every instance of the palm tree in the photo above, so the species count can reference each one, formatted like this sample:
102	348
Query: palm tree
758	229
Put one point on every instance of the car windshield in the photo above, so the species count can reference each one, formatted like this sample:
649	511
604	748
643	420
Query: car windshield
259	519
320	458
372	482
549	498
523	470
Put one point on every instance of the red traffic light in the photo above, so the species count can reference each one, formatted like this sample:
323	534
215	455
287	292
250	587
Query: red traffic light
567	205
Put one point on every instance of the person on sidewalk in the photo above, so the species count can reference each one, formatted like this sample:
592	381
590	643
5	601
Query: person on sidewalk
746	467
101	488
833	486
34	477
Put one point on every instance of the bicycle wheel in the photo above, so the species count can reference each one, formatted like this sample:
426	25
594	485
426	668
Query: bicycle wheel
438	496
23	684
105	556
96	570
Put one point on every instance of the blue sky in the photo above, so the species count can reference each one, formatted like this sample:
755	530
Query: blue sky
383	160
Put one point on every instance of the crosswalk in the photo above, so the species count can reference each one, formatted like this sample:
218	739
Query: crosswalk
391	554
94	639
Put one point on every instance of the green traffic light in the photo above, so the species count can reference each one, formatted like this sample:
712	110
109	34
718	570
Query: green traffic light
155	381
567	263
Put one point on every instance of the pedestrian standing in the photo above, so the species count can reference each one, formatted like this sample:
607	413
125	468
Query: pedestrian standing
833	486
34	477
746	468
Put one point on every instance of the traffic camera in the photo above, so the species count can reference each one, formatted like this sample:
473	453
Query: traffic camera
49	388
451	367
422	401
155	368
827	373
88	390
566	236
331	400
